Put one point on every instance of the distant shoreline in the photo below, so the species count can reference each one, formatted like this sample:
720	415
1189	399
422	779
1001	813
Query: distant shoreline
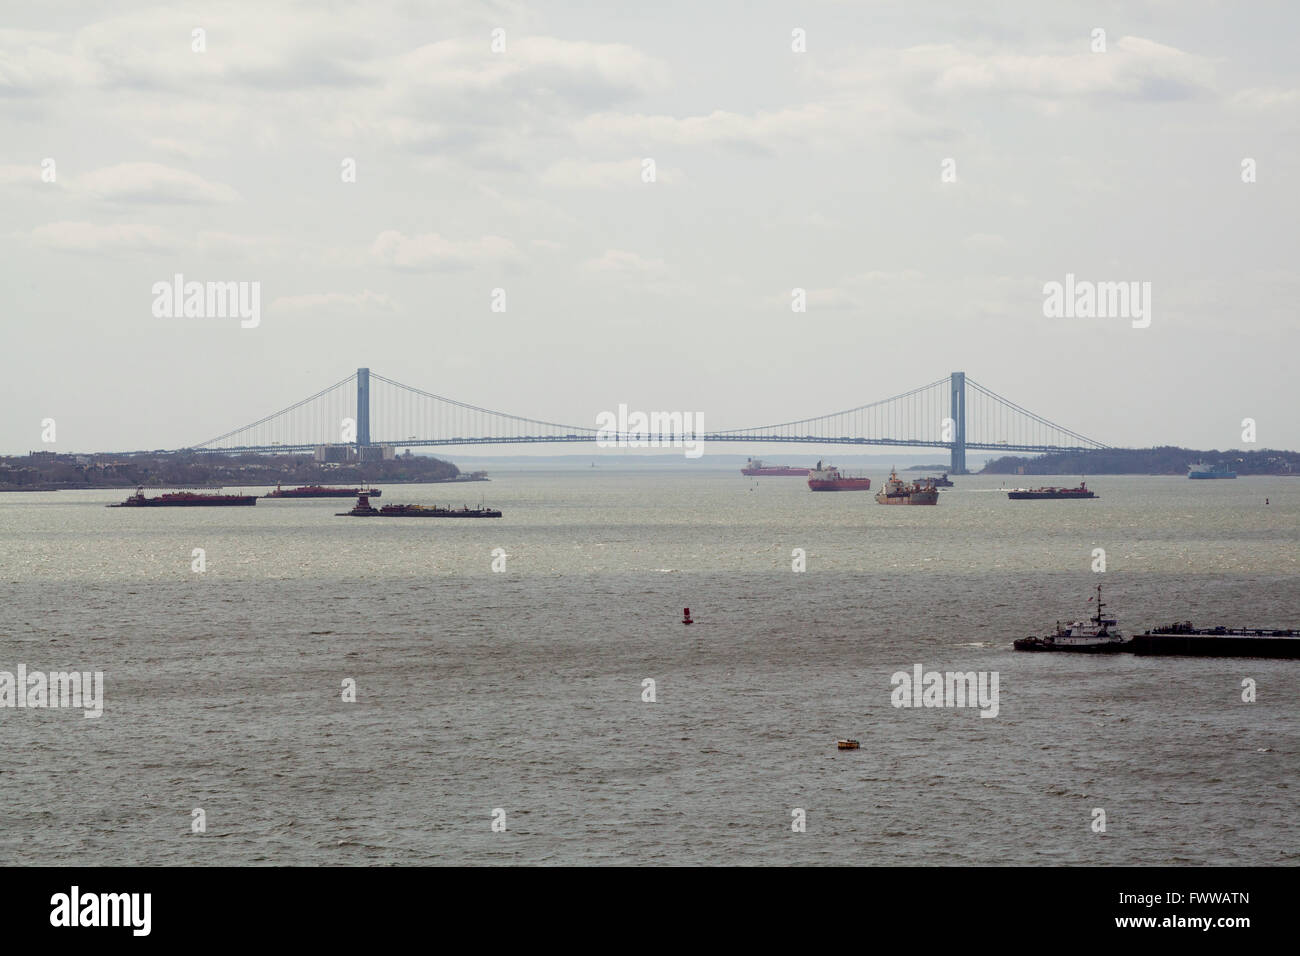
256	484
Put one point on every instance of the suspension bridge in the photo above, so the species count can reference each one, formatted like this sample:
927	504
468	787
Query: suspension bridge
368	411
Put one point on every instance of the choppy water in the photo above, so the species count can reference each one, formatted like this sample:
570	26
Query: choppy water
522	690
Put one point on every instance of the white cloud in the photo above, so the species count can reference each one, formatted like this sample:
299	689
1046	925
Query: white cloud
89	237
985	240
620	174
28	175
624	263
1132	68
366	301
234	244
150	183
1267	98
431	252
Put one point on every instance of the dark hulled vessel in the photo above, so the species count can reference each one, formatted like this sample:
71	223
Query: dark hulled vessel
364	509
320	491
184	499
1036	494
1183	639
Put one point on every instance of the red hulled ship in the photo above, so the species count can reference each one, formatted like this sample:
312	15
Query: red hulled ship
831	478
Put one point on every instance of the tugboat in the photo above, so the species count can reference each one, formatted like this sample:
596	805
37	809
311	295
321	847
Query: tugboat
1036	494
183	499
362	509
831	478
896	492
318	491
1098	635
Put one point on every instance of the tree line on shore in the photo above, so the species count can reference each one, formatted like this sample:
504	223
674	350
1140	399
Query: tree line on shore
1166	460
49	471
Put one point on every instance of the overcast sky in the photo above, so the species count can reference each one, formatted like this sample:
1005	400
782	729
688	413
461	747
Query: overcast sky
775	169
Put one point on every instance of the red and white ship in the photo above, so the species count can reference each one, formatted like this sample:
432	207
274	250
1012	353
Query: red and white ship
754	467
831	478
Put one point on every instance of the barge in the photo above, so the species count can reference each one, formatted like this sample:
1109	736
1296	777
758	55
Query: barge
320	491
1185	640
364	509
184	499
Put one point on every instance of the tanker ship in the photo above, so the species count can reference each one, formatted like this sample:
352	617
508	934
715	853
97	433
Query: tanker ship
831	478
754	467
1202	470
318	491
183	499
896	492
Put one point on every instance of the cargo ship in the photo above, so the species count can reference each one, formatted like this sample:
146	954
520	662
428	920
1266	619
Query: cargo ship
898	492
364	509
184	499
1183	639
1202	470
1098	635
831	478
1037	494
755	468
318	491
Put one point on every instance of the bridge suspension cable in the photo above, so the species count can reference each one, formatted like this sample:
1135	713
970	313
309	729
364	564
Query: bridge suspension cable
952	412
253	426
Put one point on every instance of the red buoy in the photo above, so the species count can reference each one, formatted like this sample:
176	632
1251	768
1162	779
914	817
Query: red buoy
686	616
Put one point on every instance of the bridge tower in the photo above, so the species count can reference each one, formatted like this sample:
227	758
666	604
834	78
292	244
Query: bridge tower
363	407
958	413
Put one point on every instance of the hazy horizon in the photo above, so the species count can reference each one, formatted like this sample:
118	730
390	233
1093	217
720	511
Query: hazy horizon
923	173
